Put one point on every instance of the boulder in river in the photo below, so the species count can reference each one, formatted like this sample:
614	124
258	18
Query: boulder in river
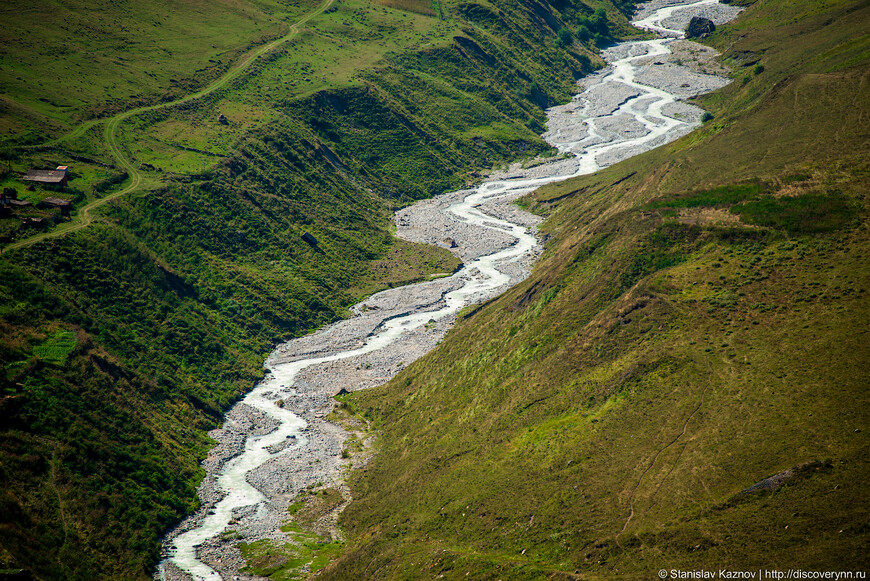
699	26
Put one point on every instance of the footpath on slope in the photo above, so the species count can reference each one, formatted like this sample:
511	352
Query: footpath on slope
84	215
277	442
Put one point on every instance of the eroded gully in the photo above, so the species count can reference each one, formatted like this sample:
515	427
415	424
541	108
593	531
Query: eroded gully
276	442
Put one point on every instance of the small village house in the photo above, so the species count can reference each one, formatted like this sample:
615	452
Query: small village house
53	178
51	202
9	201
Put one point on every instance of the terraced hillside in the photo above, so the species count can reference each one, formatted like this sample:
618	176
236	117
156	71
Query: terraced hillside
681	384
195	169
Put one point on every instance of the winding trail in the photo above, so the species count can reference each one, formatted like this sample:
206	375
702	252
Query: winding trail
84	215
276	442
656	456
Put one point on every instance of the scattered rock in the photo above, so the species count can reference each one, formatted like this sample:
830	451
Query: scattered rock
309	239
222	119
699	26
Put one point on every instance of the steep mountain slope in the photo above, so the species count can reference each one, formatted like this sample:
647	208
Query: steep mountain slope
681	384
122	342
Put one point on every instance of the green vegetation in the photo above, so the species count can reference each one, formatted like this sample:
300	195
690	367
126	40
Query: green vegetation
56	348
723	195
693	329
62	63
203	143
290	561
595	27
804	214
307	552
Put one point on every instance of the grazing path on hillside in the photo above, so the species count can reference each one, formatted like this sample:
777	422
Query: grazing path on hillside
85	214
276	442
655	458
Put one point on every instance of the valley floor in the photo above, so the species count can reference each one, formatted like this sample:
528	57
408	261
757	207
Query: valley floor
280	442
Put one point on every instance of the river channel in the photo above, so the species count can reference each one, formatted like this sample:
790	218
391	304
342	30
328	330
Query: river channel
276	442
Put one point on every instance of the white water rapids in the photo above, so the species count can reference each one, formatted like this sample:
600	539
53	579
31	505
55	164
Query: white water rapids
632	106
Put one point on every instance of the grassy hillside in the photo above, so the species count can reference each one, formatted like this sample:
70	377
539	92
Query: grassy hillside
62	62
129	326
695	327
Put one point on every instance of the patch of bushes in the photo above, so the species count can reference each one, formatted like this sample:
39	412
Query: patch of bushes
110	182
665	247
56	348
720	196
807	214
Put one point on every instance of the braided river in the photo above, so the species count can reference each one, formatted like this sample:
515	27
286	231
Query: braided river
276	442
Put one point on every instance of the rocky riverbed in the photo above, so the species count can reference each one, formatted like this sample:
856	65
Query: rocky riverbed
278	442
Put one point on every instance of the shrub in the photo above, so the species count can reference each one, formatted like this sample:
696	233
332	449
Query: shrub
807	214
730	194
599	23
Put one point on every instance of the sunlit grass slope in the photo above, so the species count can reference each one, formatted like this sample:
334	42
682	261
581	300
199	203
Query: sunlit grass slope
62	62
696	325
